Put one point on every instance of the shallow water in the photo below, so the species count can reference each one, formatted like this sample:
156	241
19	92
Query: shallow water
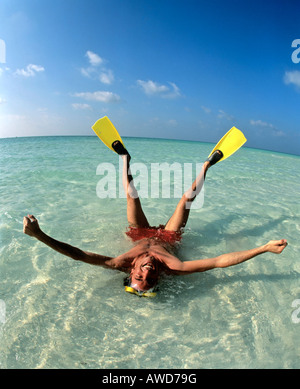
59	313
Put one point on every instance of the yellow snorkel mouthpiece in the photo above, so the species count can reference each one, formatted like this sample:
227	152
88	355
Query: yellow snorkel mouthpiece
129	289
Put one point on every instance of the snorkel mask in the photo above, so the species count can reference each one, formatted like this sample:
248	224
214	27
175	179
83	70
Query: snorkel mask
147	293
130	288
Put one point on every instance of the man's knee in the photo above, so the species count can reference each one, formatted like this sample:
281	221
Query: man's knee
131	192
188	197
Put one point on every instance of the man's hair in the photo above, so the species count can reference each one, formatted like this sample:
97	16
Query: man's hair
127	281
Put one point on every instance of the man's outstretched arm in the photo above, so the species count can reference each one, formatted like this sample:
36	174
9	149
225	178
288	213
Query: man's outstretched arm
31	227
231	259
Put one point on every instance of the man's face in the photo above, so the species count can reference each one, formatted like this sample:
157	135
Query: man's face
145	273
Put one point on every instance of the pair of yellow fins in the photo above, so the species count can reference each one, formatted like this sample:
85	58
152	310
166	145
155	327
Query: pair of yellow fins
229	144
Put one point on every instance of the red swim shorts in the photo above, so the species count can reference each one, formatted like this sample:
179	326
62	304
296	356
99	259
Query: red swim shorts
138	233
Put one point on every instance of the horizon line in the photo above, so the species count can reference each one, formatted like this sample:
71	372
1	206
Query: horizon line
143	137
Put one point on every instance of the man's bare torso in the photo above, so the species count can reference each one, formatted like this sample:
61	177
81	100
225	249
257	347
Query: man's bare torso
161	251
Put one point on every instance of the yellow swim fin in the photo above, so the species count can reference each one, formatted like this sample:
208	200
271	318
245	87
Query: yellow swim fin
230	143
106	132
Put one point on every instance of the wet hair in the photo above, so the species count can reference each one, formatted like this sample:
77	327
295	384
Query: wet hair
127	281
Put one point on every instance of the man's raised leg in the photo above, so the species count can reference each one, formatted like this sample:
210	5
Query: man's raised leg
135	213
182	211
181	214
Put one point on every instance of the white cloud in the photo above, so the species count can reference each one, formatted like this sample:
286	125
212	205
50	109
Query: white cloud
152	88
293	78
224	115
79	106
2	70
96	70
2	101
107	77
32	124
268	127
205	109
278	133
260	123
175	92
93	58
172	123
30	70
100	96
87	72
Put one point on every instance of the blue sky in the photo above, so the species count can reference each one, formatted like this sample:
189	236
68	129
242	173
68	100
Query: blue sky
157	68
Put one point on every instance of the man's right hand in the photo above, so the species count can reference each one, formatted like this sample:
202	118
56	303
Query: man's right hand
276	246
31	226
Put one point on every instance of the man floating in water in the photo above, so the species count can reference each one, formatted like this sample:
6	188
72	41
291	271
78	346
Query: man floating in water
153	252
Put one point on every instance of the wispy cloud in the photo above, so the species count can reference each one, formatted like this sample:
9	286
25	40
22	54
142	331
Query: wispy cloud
100	96
82	106
2	101
96	70
30	71
293	78
152	88
87	72
224	115
278	133
172	123
267	126
94	59
260	123
205	109
175	92
2	70
107	77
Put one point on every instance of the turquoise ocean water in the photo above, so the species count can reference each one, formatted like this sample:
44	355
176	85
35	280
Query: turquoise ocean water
60	313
